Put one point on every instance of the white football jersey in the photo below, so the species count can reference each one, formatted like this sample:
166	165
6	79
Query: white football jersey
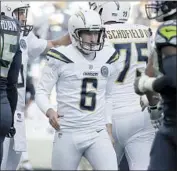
81	86
31	47
134	45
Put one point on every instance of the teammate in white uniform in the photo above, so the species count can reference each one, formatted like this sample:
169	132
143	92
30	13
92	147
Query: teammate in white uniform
83	73
132	129
31	47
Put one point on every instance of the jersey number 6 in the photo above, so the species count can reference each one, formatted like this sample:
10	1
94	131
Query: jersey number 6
88	95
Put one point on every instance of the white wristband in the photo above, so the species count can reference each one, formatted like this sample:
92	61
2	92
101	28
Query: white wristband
149	83
145	83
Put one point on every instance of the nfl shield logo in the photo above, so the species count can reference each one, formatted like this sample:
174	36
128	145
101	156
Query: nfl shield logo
90	67
104	71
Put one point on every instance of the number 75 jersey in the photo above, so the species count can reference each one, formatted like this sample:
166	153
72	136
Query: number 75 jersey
82	86
133	43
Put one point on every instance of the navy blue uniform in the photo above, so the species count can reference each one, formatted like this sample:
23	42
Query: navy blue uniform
10	62
164	150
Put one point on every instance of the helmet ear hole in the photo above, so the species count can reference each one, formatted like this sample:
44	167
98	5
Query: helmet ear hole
101	10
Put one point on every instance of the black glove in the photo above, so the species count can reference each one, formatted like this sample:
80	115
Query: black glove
11	132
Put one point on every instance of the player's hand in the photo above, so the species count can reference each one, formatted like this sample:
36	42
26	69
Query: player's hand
11	132
156	115
53	119
143	102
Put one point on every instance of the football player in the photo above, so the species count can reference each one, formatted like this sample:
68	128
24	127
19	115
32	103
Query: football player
132	129
31	47
163	152
10	61
83	73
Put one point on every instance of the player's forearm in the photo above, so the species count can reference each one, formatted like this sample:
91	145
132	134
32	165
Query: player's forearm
163	84
43	102
169	67
168	80
12	97
63	41
153	97
13	79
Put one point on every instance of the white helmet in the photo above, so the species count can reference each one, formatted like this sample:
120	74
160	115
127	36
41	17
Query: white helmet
8	8
116	11
86	22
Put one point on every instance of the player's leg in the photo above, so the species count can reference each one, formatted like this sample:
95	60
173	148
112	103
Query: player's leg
6	145
84	164
138	146
65	155
119	147
5	120
1	148
163	155
11	158
101	154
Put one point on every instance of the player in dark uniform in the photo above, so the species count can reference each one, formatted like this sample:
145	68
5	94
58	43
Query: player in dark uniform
164	150
10	62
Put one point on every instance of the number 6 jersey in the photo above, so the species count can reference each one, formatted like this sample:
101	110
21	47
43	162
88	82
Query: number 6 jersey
132	42
83	87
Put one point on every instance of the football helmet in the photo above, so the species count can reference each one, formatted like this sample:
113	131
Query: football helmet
116	11
86	23
161	10
9	8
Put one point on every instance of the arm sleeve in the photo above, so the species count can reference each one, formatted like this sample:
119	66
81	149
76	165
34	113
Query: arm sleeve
35	46
116	67
12	80
48	79
108	107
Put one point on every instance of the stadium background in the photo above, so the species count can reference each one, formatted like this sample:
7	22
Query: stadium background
50	22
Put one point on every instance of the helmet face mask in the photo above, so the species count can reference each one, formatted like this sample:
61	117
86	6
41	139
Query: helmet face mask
21	15
19	12
160	9
90	40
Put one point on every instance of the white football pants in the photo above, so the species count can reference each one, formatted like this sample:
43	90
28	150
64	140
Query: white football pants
11	158
133	134
95	146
